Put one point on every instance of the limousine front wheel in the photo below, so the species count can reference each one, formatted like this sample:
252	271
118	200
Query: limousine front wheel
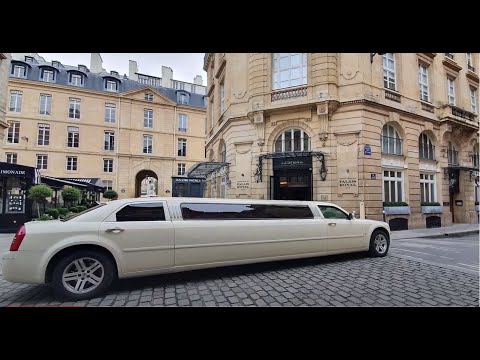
379	243
83	274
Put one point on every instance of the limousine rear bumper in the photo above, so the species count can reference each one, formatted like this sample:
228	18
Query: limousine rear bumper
22	267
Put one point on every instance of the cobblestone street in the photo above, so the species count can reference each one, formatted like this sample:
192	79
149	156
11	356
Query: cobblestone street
346	280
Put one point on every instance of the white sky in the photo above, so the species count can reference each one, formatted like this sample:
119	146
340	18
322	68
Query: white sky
185	66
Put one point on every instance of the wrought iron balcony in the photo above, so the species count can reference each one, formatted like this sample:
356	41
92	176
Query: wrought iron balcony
289	93
182	129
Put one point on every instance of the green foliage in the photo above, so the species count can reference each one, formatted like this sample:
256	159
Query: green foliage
398	203
70	194
110	194
81	208
44	217
62	211
54	213
430	203
74	209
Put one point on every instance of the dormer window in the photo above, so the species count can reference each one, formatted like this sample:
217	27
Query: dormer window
111	85
82	68
182	98
148	96
19	71
29	59
75	79
114	73
56	64
48	75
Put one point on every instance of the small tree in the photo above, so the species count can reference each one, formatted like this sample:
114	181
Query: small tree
39	194
110	194
70	194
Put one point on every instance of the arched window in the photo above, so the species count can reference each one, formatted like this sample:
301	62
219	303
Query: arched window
391	141
426	148
452	154
475	159
292	140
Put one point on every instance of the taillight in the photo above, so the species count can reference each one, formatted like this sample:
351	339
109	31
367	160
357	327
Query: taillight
18	238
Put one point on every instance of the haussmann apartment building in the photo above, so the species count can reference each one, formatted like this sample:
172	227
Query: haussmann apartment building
390	136
137	134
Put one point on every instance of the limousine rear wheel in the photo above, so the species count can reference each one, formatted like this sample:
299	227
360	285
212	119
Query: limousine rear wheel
83	274
379	243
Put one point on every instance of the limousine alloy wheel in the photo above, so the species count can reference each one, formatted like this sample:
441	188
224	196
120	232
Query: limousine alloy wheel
379	243
82	275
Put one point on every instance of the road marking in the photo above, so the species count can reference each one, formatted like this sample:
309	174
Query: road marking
473	266
419	252
453	267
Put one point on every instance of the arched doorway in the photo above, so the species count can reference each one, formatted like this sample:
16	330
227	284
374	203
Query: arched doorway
146	184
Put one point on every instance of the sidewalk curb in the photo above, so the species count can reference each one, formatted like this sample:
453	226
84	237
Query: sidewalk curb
445	234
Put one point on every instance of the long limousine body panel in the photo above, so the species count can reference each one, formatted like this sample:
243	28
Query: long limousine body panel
146	236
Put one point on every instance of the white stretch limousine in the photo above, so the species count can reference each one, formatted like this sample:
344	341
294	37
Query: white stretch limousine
82	255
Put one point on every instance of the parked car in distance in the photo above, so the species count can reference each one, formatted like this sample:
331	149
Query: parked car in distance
82	255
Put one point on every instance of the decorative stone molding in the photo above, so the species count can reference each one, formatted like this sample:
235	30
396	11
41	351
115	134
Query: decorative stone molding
325	110
257	117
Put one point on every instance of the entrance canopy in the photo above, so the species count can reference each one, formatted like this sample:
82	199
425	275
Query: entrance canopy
203	169
92	184
295	157
57	184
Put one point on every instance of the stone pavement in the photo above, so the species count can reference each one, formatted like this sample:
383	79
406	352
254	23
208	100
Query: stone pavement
455	230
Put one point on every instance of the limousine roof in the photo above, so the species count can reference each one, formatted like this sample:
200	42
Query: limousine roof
180	200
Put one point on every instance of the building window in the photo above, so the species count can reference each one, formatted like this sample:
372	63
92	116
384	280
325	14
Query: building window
292	140
56	63
148	80
289	69
29	59
74	109
452	154
391	141
425	148
42	162
73	137
19	71
470	62
13	132
451	91
222	97
181	169
475	156
43	134
182	147
111	85
182	98
392	186
76	80
15	101
149	96
389	71
72	163
427	188
473	99
147	118
147	144
48	75
82	68
109	141
212	112
182	122
178	85
423	82
108	184
110	110
108	165
11	158
45	104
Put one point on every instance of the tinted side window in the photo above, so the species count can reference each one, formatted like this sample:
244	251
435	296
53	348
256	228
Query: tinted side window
191	211
332	213
142	212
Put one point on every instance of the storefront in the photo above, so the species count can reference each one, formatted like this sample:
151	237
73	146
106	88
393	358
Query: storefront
187	187
15	207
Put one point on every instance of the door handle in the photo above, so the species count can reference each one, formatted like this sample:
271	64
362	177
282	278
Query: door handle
332	224
114	230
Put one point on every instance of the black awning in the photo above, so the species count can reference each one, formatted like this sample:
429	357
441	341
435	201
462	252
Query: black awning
203	169
92	184
57	184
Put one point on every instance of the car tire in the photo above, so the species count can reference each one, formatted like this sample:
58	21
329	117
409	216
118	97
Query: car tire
82	275
379	243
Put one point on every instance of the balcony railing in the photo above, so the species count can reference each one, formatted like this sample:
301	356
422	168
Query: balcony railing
292	145
392	146
427	107
449	55
182	129
464	114
426	152
289	93
452	156
392	96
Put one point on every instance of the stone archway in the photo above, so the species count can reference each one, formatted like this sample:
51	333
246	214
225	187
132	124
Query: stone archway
146	183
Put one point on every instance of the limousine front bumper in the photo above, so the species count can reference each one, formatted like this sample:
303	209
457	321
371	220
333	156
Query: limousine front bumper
22	267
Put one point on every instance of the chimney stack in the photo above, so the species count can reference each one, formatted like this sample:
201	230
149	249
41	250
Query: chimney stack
198	80
96	63
132	70
167	76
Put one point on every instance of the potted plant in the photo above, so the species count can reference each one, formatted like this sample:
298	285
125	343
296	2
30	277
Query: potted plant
39	194
110	194
431	208
396	208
